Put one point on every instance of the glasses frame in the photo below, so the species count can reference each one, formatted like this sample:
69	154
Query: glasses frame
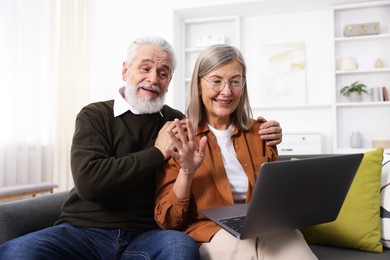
225	82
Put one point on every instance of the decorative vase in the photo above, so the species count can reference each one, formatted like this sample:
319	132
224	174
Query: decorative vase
348	63
356	140
354	97
378	63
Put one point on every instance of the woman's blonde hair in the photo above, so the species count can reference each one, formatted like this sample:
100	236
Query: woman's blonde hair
209	60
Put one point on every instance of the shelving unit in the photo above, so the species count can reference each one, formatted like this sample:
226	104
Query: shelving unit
369	117
197	34
320	26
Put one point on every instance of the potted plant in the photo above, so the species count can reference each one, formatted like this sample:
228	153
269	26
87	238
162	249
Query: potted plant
354	91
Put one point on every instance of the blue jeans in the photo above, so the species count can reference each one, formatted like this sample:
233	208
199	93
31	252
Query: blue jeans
66	241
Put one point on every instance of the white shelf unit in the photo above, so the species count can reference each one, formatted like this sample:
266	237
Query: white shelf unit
320	26
196	35
370	118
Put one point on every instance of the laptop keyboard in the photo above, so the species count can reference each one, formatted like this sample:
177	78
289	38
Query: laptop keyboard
235	223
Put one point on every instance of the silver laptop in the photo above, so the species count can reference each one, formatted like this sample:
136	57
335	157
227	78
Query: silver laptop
291	194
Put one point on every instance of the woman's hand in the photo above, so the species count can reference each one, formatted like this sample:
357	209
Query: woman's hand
186	151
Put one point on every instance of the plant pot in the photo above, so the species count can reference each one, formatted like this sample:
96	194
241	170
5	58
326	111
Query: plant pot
355	97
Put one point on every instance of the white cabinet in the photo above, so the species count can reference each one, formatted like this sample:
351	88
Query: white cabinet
370	117
301	143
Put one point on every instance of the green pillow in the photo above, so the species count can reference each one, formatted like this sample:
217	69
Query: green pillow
358	224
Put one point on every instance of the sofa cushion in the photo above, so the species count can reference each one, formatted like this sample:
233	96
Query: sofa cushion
358	223
385	200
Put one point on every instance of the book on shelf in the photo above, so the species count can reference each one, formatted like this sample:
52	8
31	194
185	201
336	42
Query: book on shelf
377	94
385	94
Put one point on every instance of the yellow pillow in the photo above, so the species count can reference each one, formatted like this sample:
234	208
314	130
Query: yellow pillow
358	224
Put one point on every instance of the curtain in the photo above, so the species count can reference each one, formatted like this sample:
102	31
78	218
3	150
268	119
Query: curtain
26	93
72	29
44	81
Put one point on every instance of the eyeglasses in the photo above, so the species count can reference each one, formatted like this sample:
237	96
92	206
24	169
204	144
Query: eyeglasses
217	84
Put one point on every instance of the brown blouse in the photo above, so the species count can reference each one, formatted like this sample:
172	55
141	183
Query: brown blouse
210	187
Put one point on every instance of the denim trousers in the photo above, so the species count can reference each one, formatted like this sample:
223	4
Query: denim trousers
66	241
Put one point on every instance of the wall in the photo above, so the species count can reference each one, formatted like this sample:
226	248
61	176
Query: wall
117	22
293	28
120	21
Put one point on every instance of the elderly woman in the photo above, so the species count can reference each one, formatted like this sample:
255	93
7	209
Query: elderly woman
215	162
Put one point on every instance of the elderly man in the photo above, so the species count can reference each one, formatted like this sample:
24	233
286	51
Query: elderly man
117	148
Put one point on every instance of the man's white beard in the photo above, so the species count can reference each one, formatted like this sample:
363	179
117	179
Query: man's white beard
144	105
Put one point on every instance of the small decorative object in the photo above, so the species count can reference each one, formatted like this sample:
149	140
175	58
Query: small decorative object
378	63
210	39
348	63
354	91
356	140
361	29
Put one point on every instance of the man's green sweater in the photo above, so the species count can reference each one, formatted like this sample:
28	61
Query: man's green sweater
114	161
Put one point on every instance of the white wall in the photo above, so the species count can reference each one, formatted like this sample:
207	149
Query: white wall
311	28
120	21
117	23
292	28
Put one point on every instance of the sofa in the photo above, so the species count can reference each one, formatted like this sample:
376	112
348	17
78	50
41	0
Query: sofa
27	215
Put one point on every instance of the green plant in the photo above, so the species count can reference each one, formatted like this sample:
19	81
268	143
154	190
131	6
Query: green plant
354	87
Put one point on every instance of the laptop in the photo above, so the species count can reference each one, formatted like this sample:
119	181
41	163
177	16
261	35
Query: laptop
289	195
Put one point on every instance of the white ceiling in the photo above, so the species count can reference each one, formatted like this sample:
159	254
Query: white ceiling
254	7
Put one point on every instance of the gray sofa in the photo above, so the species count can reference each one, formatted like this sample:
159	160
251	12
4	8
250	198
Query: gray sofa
21	217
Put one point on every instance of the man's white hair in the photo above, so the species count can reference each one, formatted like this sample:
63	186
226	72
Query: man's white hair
151	40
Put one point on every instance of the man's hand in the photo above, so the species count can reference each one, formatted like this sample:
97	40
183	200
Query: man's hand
270	131
163	141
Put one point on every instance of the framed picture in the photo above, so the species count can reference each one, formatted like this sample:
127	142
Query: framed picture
282	74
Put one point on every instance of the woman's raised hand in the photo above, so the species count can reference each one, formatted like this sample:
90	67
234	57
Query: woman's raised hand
185	149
